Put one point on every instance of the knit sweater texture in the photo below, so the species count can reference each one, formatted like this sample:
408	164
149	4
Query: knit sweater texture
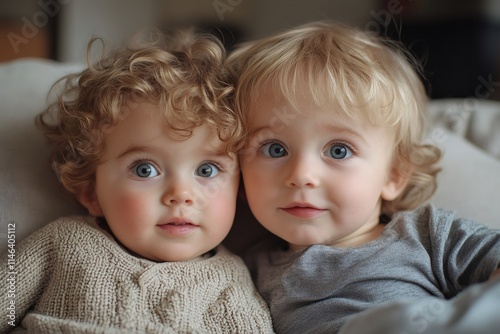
73	277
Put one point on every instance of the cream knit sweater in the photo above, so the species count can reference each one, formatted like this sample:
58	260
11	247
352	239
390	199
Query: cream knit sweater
72	277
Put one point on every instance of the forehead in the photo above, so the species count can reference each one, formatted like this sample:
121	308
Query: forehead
143	124
276	117
274	108
276	105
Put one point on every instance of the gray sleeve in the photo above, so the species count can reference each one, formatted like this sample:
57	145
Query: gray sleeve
475	310
462	252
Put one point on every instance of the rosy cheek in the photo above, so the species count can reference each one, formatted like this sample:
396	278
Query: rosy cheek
129	205
224	208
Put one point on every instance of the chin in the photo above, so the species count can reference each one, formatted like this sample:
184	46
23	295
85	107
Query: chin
304	240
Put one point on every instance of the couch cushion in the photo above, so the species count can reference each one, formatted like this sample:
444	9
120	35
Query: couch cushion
30	195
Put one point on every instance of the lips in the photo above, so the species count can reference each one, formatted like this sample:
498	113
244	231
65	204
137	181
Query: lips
302	210
178	221
178	226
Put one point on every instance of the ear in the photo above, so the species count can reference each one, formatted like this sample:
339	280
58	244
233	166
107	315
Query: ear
88	198
396	182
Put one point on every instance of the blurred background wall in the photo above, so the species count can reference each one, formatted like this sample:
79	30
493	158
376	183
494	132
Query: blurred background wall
457	40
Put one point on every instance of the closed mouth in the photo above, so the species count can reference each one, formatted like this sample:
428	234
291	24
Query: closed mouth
302	210
300	205
178	227
178	222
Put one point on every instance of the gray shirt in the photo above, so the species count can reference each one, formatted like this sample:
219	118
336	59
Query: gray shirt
427	252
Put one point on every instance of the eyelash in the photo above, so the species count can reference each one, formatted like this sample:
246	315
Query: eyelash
269	141
339	142
137	162
217	164
261	145
330	144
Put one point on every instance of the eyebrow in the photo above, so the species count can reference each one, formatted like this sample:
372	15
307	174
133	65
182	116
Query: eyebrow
346	130
329	127
133	149
218	152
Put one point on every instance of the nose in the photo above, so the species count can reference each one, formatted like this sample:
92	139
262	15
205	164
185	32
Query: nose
303	172
178	193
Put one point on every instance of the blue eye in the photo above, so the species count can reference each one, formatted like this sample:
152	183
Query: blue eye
145	170
339	152
207	170
274	150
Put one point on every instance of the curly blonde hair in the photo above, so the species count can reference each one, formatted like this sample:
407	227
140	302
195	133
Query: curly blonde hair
365	76
183	73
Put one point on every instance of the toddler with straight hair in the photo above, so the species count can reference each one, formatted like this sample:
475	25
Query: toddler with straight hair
335	165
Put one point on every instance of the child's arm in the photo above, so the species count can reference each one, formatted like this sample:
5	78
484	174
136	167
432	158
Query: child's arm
24	272
475	310
470	253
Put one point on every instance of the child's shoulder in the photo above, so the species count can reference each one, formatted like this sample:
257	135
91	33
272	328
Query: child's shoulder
67	227
425	213
227	262
431	219
72	224
62	234
224	256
